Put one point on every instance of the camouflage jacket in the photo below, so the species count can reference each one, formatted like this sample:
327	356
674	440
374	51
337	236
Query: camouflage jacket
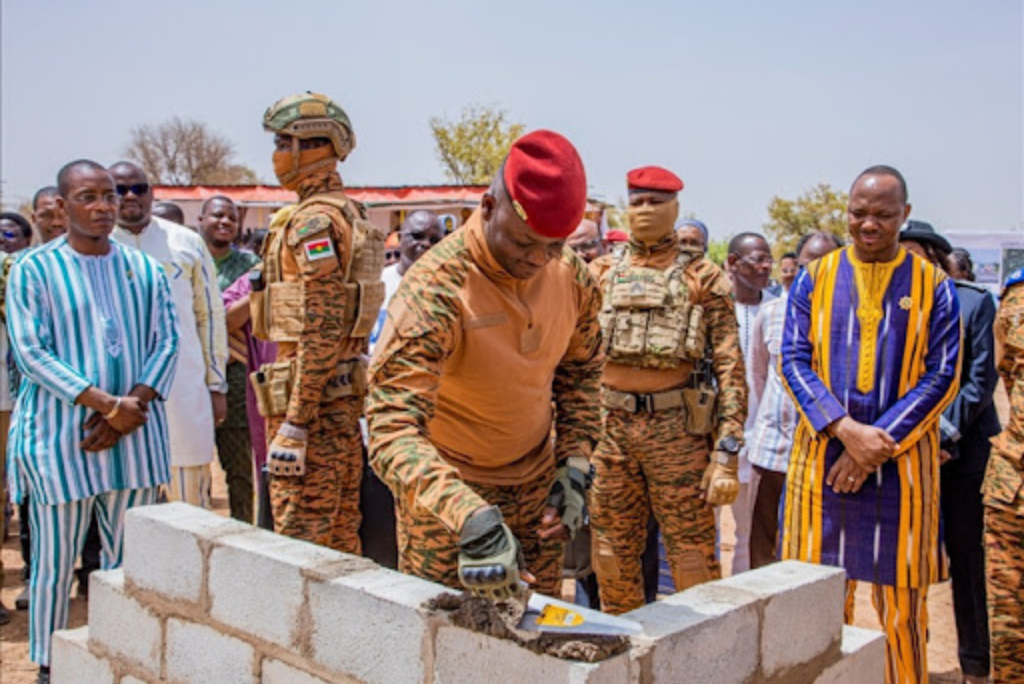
1004	478
710	288
467	370
321	344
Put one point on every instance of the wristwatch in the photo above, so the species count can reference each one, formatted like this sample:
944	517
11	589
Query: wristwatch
729	445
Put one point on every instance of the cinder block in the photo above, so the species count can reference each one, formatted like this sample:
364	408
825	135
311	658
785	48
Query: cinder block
465	657
128	679
863	659
161	547
278	563
276	672
802	611
371	626
197	654
72	663
120	624
706	634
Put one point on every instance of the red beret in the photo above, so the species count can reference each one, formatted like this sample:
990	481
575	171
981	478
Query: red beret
616	236
653	178
546	183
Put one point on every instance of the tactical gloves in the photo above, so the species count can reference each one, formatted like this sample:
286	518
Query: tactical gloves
286	456
721	481
569	493
489	556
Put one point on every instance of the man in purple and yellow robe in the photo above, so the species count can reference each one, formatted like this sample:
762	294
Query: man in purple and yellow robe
871	356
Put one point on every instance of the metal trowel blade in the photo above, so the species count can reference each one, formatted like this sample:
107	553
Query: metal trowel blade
551	616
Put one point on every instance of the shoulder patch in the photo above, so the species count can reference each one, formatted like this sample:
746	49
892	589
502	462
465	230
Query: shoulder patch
314	225
320	248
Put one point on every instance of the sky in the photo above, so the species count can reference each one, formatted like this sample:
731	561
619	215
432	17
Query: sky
744	100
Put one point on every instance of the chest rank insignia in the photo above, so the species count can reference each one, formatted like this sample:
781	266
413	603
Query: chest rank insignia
906	303
636	289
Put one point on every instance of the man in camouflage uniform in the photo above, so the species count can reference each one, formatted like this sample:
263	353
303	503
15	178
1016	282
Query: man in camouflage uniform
318	295
664	308
1003	493
488	330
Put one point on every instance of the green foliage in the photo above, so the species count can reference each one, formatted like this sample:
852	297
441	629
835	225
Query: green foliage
718	250
821	208
472	148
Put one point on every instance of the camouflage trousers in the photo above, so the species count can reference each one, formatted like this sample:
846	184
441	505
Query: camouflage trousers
322	506
428	549
644	463
1004	559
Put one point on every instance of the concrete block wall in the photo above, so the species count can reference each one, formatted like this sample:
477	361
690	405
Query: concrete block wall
203	599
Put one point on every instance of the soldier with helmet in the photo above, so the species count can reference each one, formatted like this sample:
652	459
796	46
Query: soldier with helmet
665	310
317	296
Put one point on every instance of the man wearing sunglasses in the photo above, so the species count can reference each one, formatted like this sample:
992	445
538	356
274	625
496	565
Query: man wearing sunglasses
197	401
15	231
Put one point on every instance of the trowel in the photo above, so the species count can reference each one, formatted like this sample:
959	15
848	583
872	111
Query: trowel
551	616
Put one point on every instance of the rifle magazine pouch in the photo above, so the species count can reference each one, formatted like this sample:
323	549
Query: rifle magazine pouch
261	391
700	409
364	302
285	308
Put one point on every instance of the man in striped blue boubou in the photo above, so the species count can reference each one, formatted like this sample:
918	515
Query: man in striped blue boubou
94	333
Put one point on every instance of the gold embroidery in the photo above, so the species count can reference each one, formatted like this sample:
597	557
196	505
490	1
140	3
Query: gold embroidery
872	283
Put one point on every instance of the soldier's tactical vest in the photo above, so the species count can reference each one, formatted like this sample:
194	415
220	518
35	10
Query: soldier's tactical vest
649	318
277	307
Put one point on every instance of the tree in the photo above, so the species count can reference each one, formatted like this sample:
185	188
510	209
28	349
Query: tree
472	148
186	152
821	208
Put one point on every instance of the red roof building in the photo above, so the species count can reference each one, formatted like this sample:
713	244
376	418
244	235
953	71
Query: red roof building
386	206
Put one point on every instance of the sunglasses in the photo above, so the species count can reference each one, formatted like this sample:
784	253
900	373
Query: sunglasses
137	189
9	235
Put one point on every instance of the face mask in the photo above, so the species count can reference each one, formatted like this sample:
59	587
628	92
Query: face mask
650	223
288	174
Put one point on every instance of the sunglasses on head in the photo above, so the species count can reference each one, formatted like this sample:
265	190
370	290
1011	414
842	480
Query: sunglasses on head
138	189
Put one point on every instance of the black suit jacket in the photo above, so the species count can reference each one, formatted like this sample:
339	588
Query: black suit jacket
971	419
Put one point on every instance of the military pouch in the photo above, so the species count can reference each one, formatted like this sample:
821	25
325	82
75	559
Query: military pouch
666	332
639	288
362	306
272	384
699	403
284	309
258	313
349	381
629	333
696	334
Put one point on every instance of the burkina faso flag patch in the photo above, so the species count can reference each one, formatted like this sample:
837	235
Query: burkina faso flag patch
319	249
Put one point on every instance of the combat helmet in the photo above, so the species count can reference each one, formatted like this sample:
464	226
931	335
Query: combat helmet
312	115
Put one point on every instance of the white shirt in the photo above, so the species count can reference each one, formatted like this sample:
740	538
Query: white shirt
391	279
745	315
203	347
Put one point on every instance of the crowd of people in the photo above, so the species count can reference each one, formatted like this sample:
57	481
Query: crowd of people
525	399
